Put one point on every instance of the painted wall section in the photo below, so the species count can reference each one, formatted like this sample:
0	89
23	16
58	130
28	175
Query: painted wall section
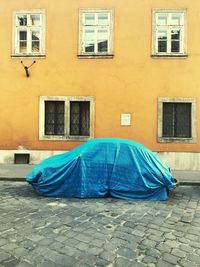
128	83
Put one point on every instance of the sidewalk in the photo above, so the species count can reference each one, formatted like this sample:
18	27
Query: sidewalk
18	172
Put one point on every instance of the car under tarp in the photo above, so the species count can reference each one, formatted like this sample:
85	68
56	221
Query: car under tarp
104	167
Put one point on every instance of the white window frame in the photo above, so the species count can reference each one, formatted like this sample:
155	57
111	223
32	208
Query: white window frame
193	137
29	29
66	100
82	27
168	28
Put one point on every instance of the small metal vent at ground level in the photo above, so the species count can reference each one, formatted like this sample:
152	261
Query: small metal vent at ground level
21	158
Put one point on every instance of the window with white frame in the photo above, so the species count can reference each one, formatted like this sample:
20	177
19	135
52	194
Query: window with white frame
95	33
28	33
169	32
66	117
177	120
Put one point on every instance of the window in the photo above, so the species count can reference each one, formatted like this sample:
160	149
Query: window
66	118
29	31
169	33
176	120
95	33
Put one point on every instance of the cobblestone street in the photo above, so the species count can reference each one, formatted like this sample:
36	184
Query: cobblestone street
46	232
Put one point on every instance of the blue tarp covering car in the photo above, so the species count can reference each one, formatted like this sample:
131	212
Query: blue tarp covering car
104	167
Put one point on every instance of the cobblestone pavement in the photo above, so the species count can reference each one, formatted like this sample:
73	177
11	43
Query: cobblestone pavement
46	232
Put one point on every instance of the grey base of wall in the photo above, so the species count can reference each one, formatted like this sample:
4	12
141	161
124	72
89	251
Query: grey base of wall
175	160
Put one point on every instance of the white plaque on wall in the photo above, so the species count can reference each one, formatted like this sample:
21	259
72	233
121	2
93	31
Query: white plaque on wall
125	119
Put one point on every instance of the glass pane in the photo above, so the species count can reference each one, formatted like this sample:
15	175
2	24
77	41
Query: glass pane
175	46
103	33
103	46
54	117
22	46
162	46
22	35
35	35
35	20
89	34
162	19
80	118
176	19
89	47
89	19
168	120
103	19
162	41
22	41
22	20
175	34
183	120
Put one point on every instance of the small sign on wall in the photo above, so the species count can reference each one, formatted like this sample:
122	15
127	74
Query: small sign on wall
125	119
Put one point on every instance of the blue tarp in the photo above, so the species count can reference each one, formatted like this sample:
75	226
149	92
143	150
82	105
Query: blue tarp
101	167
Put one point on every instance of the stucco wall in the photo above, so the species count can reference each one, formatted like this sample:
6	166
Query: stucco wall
131	82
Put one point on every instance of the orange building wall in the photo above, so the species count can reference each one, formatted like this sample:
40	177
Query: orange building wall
131	82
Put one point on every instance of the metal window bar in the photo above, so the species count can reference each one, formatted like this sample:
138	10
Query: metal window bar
177	120
79	118
54	117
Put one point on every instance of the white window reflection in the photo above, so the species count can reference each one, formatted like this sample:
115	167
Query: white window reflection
35	20
22	20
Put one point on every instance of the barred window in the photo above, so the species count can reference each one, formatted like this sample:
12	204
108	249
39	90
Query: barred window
80	118
54	117
177	120
66	117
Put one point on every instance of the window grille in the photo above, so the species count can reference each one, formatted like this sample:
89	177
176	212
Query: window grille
177	120
79	118
54	117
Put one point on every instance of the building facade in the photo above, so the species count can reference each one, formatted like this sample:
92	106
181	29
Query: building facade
75	70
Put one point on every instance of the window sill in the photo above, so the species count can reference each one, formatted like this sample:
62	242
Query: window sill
64	138
95	56
169	56
175	140
28	56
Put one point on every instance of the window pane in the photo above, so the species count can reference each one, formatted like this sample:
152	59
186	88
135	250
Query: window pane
175	41
80	118
35	41
22	20
177	120
22	35
89	34
103	19
103	46
89	47
176	19
162	41
183	120
35	20
162	19
89	19
168	120
22	41
175	46
54	117
89	40
175	34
